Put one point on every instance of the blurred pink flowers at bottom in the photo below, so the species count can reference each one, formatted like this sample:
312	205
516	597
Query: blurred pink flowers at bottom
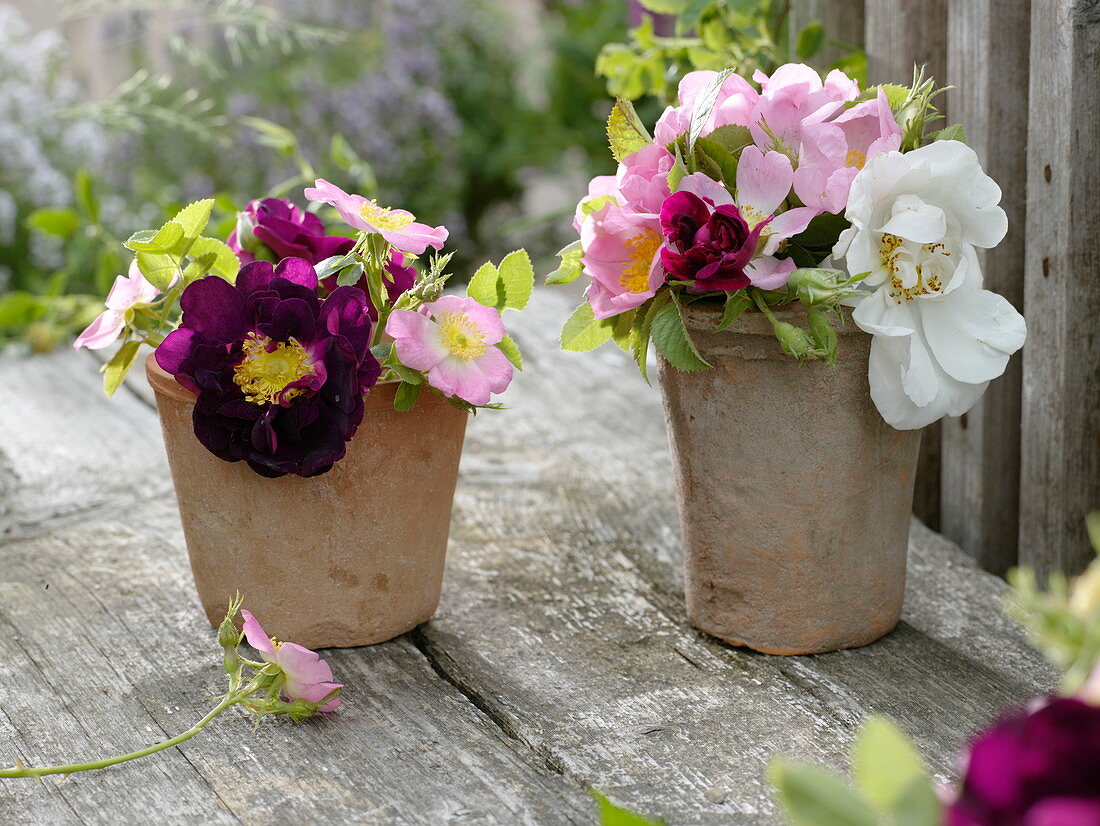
308	677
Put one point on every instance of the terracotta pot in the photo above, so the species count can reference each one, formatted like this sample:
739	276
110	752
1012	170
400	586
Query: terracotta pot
352	557
794	494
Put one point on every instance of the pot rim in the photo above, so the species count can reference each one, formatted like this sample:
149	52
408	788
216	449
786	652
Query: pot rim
703	316
379	397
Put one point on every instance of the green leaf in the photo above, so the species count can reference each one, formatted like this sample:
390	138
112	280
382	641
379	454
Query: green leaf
160	242
59	222
115	370
679	170
954	132
407	374
192	220
226	264
895	95
884	762
518	279
917	805
810	40
622	328
507	287
612	815
665	6
570	268
812	796
508	346
349	276
483	285
821	234
199	267
625	132
736	303
590	205
583	331
731	137
725	164
85	195
406	396
704	105
672	341
382	351
643	329
272	134
159	270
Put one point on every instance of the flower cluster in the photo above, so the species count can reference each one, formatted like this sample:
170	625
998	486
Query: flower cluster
281	331
745	184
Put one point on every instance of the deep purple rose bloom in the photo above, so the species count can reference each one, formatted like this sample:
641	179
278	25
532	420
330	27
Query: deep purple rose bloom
707	245
1034	768
274	228
280	375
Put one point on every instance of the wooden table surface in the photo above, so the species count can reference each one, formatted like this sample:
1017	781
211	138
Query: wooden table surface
559	659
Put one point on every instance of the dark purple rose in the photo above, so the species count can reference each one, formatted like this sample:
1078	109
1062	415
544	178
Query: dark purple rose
280	375
396	278
706	245
1039	767
274	228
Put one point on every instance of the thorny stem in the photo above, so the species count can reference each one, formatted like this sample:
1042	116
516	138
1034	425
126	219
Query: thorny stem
230	699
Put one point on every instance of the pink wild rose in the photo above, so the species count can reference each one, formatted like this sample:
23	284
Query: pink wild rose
308	677
454	339
793	96
126	293
734	105
397	226
622	256
833	152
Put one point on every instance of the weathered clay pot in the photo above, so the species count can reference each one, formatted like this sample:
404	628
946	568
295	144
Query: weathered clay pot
352	557
794	494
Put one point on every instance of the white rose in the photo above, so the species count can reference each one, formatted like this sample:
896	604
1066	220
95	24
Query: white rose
938	337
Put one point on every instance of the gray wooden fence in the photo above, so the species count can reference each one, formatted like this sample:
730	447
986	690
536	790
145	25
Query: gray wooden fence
1012	480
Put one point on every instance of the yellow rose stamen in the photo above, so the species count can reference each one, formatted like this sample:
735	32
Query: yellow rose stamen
268	368
384	217
461	335
855	159
642	247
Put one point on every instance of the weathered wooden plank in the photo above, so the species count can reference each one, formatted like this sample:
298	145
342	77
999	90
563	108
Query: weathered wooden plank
987	63
104	649
563	614
899	35
65	452
843	21
1060	470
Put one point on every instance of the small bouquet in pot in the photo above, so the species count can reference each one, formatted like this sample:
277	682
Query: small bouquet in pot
281	332
800	191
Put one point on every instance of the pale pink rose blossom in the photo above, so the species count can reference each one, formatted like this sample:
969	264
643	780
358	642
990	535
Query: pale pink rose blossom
454	340
397	226
833	152
793	96
734	105
622	256
126	293
308	677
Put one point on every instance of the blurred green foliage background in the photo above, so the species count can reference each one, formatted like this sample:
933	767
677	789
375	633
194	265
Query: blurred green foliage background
484	115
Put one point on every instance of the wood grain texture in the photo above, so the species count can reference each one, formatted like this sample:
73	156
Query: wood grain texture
1060	471
987	63
843	21
899	35
559	660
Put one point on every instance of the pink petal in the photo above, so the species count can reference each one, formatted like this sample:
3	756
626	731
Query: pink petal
415	238
497	369
457	377
486	319
347	205
257	637
301	664
102	332
769	272
786	224
706	187
763	181
416	339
